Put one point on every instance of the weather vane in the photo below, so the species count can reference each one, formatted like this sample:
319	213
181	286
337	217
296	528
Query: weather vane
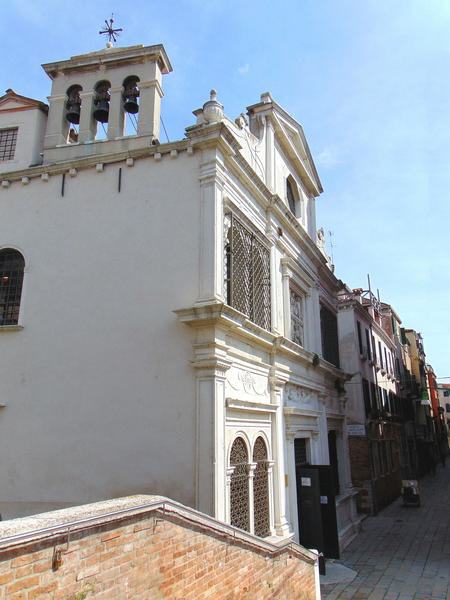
110	31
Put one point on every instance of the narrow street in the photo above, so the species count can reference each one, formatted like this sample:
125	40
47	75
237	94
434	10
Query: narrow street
402	553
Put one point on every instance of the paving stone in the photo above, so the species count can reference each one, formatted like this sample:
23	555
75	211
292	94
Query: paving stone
403	553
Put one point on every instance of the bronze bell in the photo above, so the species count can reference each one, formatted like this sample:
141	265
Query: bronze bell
101	111
131	105
73	113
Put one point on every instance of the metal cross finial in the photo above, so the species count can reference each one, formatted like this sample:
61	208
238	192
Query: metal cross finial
110	31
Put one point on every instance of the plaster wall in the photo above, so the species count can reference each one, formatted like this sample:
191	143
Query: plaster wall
31	127
98	388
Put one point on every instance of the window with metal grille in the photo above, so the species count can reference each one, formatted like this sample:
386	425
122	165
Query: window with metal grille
297	321
239	495
247	272
12	265
300	451
8	139
261	489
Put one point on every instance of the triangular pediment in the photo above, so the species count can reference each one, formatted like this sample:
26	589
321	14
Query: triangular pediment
15	102
291	138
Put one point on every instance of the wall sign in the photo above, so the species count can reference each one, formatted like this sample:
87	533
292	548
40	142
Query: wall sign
356	429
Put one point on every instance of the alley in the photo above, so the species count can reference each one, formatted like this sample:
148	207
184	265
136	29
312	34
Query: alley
402	553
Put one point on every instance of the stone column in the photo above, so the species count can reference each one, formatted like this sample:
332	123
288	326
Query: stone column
346	470
210	438
88	126
269	467
286	275
251	499
323	431
292	483
229	472
57	127
270	153
279	480
150	94
116	120
211	230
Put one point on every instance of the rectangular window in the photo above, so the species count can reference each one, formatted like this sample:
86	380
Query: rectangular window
329	331
297	318
366	396
8	139
380	355
369	352
373	393
374	350
247	272
386	359
358	327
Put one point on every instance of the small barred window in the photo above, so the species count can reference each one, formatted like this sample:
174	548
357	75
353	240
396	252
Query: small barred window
8	140
11	278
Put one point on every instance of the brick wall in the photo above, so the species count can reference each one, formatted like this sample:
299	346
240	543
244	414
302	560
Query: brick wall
160	551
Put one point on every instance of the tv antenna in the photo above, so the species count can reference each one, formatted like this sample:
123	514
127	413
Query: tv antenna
109	30
330	235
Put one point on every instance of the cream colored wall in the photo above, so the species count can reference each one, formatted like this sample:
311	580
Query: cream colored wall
98	386
31	125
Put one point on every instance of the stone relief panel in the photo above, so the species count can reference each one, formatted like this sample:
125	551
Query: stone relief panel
301	397
246	385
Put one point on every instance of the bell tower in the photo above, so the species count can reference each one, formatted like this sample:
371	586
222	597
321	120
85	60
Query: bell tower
93	93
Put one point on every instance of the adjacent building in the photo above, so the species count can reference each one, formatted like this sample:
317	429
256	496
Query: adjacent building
374	408
168	318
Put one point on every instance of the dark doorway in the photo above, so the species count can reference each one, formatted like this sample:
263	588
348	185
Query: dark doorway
317	509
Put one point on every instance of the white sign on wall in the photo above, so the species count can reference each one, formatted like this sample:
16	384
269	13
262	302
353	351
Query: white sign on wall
356	429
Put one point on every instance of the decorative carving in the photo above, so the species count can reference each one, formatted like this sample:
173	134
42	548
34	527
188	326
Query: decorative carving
300	396
247	382
296	318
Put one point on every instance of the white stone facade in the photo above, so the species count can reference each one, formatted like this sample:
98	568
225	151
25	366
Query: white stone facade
129	371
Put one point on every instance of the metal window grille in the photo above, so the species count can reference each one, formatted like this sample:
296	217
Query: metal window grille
296	318
8	139
239	496
247	272
11	278
261	489
300	451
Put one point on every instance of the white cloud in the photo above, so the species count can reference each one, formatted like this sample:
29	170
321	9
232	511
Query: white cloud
244	69
327	158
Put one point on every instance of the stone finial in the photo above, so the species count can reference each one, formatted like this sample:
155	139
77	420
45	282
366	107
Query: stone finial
213	110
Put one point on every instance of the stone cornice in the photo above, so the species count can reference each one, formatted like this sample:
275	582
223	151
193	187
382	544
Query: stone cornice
91	161
226	317
111	57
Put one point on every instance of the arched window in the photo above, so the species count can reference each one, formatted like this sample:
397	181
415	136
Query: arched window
239	496
73	112
102	99
12	265
261	489
290	197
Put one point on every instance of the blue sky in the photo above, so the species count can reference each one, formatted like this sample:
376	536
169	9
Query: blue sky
368	80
